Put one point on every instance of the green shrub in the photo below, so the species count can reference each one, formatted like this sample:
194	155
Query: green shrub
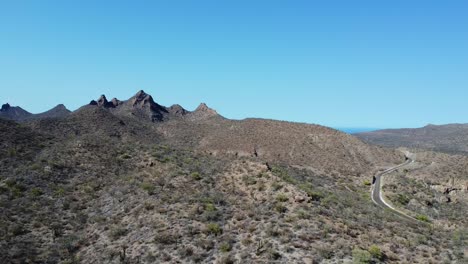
196	176
36	167
165	238
460	237
276	186
403	199
361	256
282	198
148	187
149	206
214	229
302	214
17	191
367	183
280	208
36	192
125	156
375	252
60	192
249	180
423	218
10	183
18	230
225	247
283	174
209	207
118	232
12	152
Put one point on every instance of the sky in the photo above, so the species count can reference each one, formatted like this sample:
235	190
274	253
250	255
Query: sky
376	64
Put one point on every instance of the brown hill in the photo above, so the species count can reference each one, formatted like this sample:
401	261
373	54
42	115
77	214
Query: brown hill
313	146
305	145
452	138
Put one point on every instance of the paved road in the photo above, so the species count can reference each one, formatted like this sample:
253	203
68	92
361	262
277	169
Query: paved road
377	191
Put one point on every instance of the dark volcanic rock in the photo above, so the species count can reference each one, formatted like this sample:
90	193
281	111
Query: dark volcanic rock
15	113
144	100
143	105
5	107
102	101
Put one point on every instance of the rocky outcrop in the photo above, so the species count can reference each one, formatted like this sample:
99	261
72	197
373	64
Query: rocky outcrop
5	107
115	102
177	110
203	112
142	106
15	113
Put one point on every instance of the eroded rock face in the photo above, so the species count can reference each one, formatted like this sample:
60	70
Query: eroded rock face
142	99
115	102
143	105
102	101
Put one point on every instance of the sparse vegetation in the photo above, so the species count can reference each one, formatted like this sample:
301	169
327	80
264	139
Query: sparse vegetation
423	218
107	188
148	187
361	256
375	252
213	228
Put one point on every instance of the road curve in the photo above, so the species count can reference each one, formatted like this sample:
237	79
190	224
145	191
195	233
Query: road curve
376	191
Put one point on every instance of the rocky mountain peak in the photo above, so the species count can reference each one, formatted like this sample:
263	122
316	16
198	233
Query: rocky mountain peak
61	107
115	102
102	101
142	99
203	108
5	107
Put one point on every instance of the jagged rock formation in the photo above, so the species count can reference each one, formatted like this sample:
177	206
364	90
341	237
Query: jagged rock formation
142	106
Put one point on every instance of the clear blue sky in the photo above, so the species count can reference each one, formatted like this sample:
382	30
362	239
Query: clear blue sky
337	63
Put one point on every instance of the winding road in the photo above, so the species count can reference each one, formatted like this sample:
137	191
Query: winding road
376	191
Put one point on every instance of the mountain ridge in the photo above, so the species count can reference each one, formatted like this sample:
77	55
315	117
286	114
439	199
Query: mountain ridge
448	138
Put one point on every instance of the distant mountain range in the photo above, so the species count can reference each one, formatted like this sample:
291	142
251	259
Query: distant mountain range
17	113
451	138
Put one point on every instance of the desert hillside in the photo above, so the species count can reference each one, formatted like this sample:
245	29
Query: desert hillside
452	138
133	181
